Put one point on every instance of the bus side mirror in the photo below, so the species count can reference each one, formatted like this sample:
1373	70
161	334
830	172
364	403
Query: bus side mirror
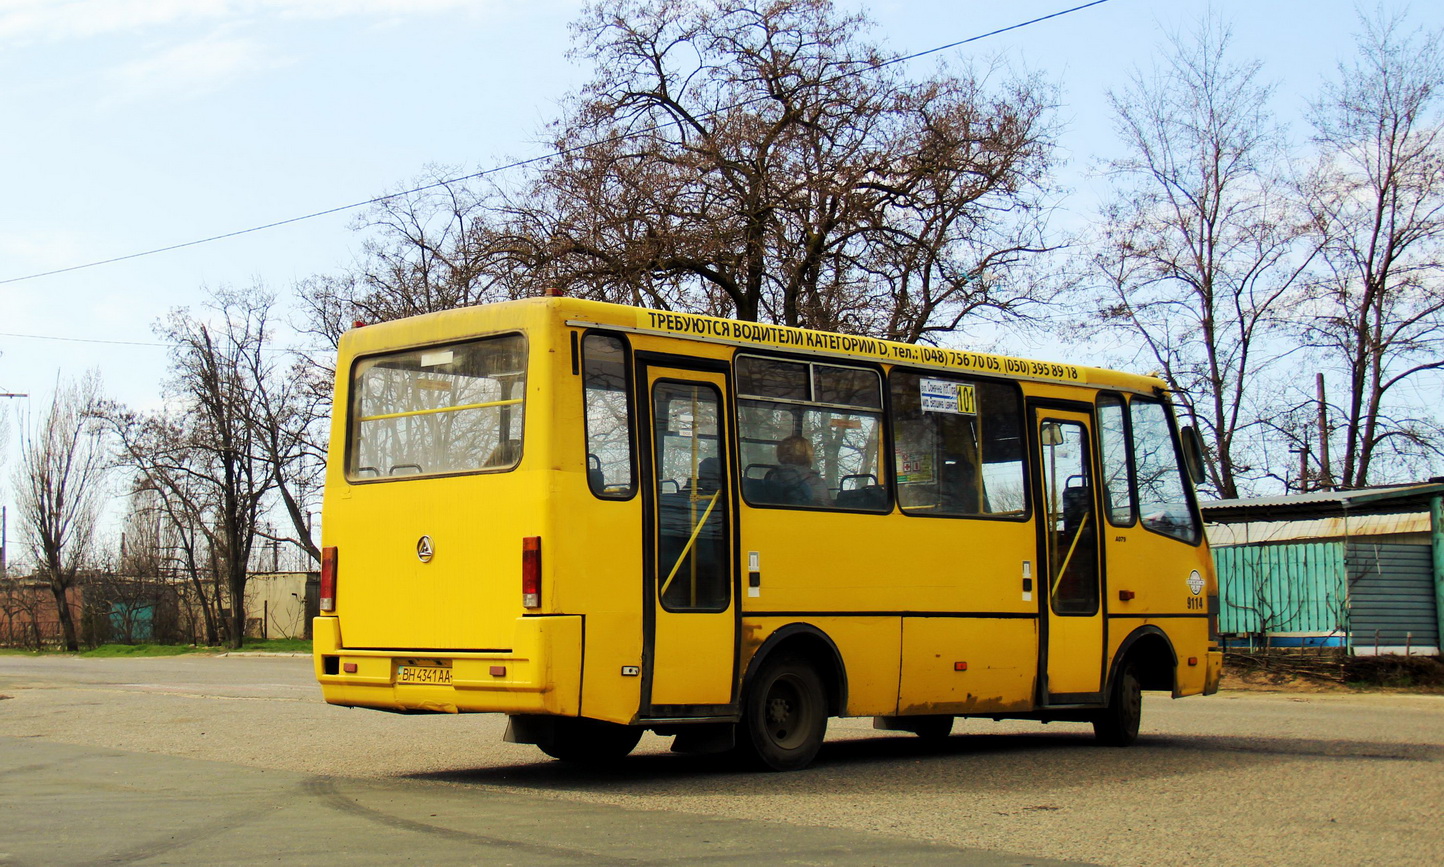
1193	454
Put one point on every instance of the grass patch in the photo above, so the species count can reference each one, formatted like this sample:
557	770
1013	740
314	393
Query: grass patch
130	651
107	651
1421	673
273	645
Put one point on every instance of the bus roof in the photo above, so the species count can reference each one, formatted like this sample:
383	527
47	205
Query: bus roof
527	313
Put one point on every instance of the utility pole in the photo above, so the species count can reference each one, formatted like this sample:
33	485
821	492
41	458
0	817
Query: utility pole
4	544
1326	473
1303	451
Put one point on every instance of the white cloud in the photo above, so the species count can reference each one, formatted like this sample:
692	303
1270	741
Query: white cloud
59	20
191	68
29	250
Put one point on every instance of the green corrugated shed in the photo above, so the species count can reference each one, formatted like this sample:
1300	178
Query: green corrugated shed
1366	595
1358	568
1292	587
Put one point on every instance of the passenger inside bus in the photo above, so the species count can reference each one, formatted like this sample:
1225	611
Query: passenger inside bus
794	481
505	454
709	475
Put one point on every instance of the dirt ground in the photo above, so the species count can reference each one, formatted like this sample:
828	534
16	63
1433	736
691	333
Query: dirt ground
1276	681
1421	675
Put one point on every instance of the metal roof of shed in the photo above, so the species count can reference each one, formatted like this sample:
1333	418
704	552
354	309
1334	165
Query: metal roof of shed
1337	527
1317	504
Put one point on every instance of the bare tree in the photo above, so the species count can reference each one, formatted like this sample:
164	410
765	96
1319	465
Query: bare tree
20	612
762	160
425	253
169	523
242	432
60	486
741	158
1376	202
4	437
284	401
1199	248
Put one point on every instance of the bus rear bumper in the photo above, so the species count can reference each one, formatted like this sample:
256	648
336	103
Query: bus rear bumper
539	674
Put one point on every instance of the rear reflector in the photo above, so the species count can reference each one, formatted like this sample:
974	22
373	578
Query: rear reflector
328	579
531	572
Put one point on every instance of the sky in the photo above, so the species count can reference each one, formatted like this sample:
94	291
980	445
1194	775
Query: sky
132	125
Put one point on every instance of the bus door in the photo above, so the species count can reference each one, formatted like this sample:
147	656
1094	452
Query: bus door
1070	609
690	599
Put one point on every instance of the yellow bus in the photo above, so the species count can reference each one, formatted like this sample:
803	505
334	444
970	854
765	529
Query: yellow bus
601	520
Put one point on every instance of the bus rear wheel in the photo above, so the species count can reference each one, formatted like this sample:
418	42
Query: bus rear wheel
784	718
1117	724
589	742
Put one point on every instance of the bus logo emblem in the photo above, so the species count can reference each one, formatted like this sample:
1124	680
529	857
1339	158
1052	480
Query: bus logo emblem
1195	583
424	549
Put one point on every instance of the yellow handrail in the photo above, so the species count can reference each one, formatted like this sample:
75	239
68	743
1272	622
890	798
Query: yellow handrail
1078	534
458	408
688	547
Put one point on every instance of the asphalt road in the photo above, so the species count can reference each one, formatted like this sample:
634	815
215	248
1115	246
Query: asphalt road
237	760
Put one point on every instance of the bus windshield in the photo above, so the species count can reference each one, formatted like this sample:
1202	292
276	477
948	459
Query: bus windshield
439	410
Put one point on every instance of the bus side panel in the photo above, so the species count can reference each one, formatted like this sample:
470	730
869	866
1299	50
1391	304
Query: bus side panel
1189	638
600	573
597	556
821	561
1149	575
834	561
869	647
1157	570
611	681
968	665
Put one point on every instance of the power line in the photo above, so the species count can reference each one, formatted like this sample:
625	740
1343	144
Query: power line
503	168
147	344
1020	25
80	339
336	210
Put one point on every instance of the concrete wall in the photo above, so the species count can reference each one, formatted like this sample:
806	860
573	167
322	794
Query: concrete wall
280	604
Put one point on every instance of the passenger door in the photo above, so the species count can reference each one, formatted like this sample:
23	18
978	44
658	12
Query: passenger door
690	596
1071	611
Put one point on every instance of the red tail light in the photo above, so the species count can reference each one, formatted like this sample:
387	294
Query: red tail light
531	572
328	579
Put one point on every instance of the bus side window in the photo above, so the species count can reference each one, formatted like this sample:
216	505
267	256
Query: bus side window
958	446
609	412
809	434
1113	458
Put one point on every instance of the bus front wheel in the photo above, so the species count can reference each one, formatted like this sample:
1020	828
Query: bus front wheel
784	718
1117	724
589	742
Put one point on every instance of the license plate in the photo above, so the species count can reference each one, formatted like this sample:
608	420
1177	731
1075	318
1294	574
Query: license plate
423	674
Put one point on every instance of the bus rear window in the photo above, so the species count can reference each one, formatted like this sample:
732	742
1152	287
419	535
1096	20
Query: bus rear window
438	410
